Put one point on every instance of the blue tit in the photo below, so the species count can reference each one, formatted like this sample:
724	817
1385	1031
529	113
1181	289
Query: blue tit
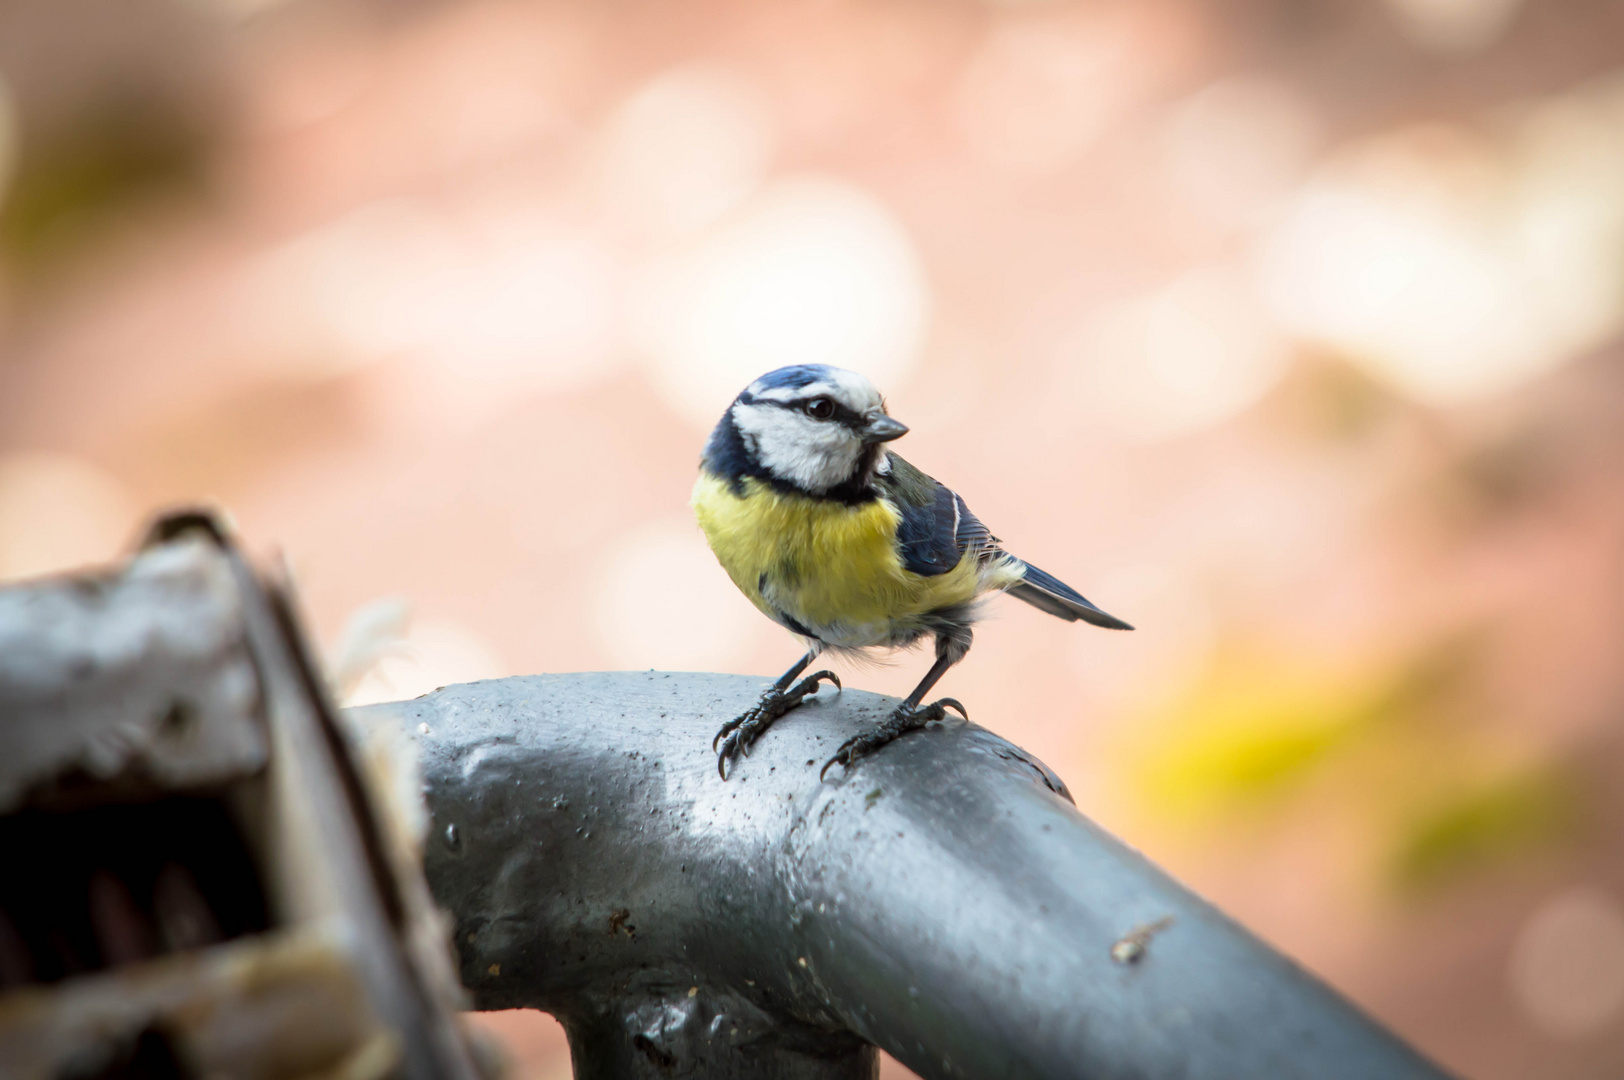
840	541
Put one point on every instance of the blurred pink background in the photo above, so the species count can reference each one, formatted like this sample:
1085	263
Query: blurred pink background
1288	330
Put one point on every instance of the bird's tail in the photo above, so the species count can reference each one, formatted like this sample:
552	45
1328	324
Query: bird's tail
1048	593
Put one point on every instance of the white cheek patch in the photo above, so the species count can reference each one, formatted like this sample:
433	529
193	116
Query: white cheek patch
812	454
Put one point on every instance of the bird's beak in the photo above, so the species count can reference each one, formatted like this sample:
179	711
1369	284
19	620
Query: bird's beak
881	428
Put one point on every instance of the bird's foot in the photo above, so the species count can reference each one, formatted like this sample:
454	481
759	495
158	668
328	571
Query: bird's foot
737	734
907	718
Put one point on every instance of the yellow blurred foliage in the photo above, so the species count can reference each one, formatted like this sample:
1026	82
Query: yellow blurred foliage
1259	725
1400	747
1484	822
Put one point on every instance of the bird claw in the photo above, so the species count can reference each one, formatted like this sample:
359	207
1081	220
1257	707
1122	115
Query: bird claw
734	738
898	724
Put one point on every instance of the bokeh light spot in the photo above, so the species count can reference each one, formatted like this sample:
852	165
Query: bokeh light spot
1191	355
812	271
1035	95
663	602
495	297
1452	267
1235	148
686	148
1567	966
1454	25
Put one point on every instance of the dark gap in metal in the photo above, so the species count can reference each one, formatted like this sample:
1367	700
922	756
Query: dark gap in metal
90	889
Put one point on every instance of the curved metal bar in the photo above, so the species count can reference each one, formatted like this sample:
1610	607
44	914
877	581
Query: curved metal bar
944	901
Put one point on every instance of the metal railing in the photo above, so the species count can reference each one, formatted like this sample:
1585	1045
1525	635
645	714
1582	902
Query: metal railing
945	901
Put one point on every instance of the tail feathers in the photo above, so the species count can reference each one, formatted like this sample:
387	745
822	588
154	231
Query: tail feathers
1048	593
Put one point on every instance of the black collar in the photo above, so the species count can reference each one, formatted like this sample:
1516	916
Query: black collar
728	456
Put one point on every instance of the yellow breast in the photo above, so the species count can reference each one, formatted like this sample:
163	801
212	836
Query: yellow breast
832	568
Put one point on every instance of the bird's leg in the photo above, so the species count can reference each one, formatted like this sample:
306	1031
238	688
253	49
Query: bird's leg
910	715
779	698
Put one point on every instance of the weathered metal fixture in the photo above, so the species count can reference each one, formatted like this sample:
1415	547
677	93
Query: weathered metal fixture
944	900
200	879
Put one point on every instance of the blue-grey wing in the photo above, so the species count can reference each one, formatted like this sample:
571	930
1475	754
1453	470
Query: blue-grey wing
937	527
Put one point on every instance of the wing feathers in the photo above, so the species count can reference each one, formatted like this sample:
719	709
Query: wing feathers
937	528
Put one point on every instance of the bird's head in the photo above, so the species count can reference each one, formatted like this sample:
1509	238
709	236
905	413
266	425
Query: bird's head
813	427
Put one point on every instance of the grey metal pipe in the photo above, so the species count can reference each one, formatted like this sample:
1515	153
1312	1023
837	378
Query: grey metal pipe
945	901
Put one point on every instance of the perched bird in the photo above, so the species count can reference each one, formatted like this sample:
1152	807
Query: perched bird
845	544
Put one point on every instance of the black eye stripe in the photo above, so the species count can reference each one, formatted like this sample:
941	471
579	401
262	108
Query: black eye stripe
843	414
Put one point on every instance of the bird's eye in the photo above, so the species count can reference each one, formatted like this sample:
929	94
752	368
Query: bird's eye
820	408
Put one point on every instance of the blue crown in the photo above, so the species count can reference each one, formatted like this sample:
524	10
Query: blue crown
793	377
